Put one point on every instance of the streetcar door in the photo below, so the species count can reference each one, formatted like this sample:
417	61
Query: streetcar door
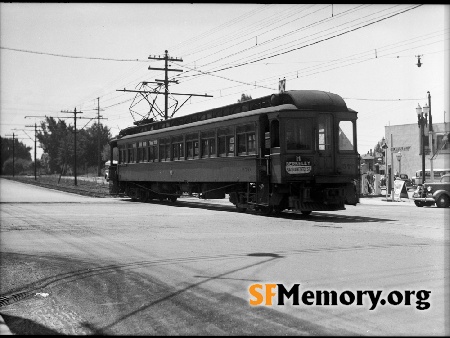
325	157
275	159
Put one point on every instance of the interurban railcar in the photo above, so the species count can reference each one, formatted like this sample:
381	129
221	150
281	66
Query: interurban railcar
295	150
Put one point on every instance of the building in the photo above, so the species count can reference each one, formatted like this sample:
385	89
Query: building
404	150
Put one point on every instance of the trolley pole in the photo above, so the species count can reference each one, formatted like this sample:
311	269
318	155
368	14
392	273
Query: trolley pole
75	112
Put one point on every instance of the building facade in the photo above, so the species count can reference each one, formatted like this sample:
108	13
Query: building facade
404	148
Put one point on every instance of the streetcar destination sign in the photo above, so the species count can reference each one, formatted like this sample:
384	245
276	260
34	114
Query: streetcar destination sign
301	167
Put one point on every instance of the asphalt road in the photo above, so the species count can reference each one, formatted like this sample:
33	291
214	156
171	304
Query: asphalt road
79	265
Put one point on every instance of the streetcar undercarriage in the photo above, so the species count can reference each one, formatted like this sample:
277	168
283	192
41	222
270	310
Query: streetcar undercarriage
263	198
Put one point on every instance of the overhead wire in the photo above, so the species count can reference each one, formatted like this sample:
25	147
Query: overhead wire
312	43
190	68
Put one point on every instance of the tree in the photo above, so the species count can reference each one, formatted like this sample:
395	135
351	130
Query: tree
379	147
20	166
21	151
57	140
245	98
106	153
89	142
51	136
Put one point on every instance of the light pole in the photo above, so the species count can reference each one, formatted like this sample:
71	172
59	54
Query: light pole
386	173
399	158
422	120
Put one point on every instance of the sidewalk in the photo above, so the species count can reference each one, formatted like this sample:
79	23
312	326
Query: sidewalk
383	199
4	329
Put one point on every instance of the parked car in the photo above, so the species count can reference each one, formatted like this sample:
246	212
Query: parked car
432	193
404	177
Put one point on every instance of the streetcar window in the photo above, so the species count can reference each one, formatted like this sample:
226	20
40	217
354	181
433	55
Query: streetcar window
246	139
346	135
131	152
242	147
178	148
275	134
192	150
139	152
299	134
230	143
324	126
164	149
122	153
144	151
208	144
225	138
152	150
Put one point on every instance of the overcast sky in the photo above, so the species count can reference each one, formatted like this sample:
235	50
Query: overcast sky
61	56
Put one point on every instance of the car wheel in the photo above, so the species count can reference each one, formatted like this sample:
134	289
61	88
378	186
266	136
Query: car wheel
418	204
443	201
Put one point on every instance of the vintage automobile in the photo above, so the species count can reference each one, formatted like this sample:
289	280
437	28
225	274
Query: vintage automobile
437	193
404	177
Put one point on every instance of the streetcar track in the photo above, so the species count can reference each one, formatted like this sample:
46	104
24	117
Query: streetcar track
90	272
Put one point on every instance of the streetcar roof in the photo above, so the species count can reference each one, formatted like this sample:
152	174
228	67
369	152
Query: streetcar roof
315	100
257	112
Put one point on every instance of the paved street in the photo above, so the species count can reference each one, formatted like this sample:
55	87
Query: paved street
78	265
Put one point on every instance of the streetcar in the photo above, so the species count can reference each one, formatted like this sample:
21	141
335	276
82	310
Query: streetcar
295	150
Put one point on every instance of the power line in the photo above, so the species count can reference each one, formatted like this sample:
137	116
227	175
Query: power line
72	56
313	43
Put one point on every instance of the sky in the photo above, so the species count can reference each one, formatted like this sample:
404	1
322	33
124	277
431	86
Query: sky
57	57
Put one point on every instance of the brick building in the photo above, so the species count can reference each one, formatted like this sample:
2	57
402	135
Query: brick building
406	139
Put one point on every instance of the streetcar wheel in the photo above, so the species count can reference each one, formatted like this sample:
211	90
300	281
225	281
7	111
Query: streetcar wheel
277	210
239	209
306	212
143	196
173	199
418	204
443	201
266	211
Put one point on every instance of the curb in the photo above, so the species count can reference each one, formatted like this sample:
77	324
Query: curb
4	329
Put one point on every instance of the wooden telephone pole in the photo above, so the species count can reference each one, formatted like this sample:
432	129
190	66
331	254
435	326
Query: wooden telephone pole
75	112
166	82
35	139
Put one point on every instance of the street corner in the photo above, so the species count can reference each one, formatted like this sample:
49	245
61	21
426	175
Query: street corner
4	329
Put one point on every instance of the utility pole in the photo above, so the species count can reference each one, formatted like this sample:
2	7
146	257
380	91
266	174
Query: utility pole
98	137
14	141
75	112
166	81
35	159
430	137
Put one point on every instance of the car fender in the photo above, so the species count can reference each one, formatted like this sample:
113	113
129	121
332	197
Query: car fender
438	193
